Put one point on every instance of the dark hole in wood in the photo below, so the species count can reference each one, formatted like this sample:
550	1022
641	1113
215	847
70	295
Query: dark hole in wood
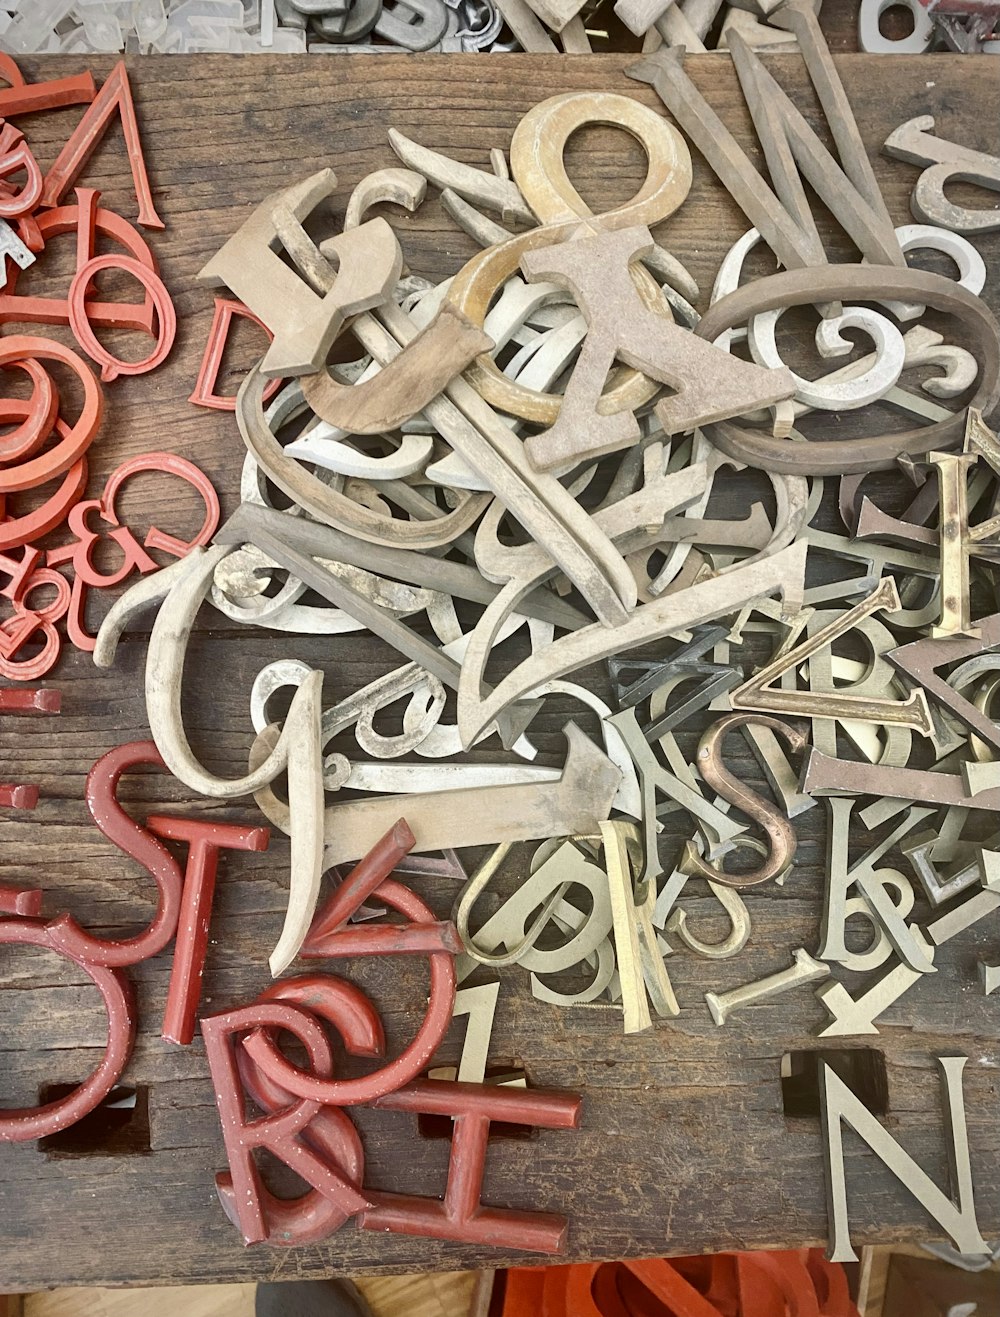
439	1127
861	1068
119	1127
896	22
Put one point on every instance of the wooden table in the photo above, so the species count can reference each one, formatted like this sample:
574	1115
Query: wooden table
685	1146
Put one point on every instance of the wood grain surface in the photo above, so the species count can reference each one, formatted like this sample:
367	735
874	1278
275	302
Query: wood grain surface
684	1145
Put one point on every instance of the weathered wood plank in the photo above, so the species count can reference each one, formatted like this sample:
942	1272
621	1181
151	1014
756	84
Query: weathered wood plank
685	1146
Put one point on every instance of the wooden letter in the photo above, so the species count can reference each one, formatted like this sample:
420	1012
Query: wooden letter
304	322
711	385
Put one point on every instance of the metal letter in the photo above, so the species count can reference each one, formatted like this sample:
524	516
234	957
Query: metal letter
460	1215
781	834
852	1015
804	970
21	1124
205	839
281	1131
824	776
838	1104
758	691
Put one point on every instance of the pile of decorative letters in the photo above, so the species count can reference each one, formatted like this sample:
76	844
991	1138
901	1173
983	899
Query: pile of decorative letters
46	454
553	448
573	27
